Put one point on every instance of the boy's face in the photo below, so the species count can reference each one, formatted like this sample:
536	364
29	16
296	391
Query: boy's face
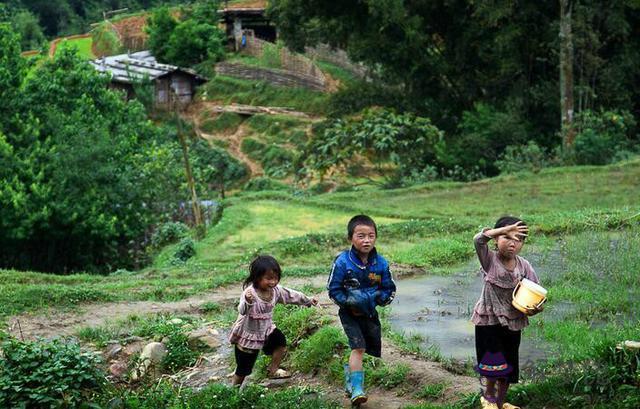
364	238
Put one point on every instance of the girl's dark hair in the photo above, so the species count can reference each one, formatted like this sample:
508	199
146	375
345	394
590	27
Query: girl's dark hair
260	266
359	220
508	220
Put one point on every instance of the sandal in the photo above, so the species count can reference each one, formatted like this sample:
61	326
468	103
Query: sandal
486	404
279	374
507	405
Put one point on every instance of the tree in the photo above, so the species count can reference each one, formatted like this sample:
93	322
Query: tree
566	73
193	39
160	26
76	188
380	136
27	26
448	56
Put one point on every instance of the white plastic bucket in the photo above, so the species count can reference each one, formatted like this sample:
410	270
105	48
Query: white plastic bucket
528	295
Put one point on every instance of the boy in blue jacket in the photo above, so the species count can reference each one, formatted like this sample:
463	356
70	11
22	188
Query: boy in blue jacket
360	280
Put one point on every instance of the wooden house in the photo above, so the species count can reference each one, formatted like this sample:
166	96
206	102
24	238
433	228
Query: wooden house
172	84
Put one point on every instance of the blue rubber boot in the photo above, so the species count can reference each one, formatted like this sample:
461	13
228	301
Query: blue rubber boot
357	388
347	380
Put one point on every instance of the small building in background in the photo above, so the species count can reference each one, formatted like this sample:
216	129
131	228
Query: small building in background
171	84
247	15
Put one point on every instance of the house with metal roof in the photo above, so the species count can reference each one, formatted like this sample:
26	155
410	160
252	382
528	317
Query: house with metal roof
172	84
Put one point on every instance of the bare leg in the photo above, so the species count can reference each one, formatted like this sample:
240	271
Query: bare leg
237	380
355	359
490	390
276	359
501	396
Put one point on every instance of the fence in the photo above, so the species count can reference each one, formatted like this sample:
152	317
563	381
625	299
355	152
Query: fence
336	57
273	76
296	64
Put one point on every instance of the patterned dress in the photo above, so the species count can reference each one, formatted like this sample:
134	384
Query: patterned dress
255	321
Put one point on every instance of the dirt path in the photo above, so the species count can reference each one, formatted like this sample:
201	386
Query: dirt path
58	323
234	143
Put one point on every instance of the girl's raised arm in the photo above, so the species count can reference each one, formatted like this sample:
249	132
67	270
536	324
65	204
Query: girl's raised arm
288	296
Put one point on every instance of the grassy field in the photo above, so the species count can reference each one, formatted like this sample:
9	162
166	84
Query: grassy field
587	220
83	45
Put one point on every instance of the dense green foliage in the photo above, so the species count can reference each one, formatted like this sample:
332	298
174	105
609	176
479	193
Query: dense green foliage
73	180
381	136
85	174
190	39
485	72
42	374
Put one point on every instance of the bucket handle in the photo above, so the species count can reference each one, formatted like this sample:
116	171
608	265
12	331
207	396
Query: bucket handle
515	290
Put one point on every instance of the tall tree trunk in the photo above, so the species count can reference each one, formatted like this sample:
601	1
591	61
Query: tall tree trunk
197	215
566	74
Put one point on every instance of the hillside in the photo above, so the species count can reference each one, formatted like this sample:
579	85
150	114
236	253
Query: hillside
425	231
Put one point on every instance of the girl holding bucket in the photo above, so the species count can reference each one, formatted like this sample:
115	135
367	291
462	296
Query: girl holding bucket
498	322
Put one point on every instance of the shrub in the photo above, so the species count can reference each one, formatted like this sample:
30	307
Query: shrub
169	233
47	374
529	157
264	183
319	349
185	250
601	135
484	134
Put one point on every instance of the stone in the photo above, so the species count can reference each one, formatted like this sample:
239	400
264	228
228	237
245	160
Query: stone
629	345
112	350
176	321
118	369
204	337
150	361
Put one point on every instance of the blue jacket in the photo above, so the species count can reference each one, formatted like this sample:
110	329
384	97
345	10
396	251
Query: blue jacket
353	285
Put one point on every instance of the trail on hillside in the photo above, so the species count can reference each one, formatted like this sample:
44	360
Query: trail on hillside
56	323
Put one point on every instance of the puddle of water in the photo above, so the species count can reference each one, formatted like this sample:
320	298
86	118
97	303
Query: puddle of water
439	309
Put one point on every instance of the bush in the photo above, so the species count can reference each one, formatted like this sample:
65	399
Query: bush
484	134
264	183
319	349
47	374
601	136
168	233
529	157
185	250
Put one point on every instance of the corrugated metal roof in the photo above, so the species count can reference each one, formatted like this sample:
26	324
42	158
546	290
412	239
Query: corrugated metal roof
129	68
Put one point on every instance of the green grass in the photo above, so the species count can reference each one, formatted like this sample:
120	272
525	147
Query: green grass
344	76
231	90
164	394
83	45
431	391
226	122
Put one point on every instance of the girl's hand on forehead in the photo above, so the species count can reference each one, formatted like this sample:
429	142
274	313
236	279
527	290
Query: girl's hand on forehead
516	231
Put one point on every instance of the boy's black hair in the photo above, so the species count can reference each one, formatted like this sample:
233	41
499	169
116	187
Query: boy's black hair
359	220
260	266
509	220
